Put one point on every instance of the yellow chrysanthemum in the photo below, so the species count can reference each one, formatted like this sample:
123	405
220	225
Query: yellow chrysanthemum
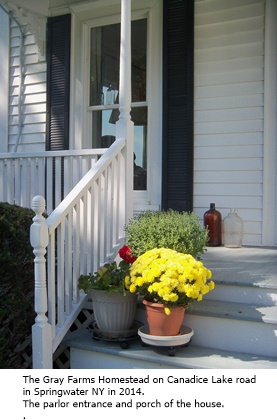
167	276
133	288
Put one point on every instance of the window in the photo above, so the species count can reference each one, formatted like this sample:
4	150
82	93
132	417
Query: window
104	90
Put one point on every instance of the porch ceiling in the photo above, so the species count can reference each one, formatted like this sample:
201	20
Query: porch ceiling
43	8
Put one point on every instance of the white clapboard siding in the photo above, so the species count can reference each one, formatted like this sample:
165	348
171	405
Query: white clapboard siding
204	177
229	139
33	103
229	110
229	102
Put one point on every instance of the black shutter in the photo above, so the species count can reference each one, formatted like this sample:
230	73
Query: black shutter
178	52
58	82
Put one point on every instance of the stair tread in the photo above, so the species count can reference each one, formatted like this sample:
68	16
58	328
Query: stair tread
233	310
190	357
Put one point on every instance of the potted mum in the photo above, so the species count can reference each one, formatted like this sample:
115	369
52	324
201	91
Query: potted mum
168	281
114	305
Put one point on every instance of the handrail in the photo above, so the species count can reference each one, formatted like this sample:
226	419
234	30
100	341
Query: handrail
54	153
84	231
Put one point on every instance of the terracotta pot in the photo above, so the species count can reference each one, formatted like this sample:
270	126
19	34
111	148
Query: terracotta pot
161	324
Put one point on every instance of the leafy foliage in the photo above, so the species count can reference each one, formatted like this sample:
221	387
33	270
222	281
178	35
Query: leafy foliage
109	278
16	281
181	232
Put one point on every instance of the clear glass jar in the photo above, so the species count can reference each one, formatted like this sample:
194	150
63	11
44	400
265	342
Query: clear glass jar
232	230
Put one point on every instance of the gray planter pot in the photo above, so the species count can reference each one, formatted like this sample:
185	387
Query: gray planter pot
114	312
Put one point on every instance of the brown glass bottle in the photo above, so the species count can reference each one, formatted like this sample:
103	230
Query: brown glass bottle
213	222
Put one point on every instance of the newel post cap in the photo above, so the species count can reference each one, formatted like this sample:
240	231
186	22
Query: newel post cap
38	204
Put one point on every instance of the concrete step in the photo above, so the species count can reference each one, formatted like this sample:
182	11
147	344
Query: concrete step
234	326
240	293
88	353
230	326
243	275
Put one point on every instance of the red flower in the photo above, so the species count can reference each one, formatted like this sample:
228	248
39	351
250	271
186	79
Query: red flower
126	254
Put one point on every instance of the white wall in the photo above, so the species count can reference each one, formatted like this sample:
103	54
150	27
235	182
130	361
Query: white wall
229	113
34	94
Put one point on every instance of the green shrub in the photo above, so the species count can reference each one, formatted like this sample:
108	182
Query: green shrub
16	281
166	229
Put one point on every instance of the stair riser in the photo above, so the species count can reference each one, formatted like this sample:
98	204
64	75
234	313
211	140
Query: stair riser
233	335
85	359
229	334
243	294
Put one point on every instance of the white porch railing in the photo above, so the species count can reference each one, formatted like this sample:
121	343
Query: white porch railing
50	174
85	230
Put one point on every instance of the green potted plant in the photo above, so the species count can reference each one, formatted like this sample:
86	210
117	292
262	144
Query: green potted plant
113	305
180	231
168	281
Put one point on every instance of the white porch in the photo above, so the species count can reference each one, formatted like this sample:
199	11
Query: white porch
235	327
251	321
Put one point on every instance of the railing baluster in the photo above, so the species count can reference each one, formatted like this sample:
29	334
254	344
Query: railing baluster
90	223
60	274
76	250
17	182
96	223
34	177
83	234
25	184
110	207
49	184
68	265
41	175
58	181
10	185
51	276
67	175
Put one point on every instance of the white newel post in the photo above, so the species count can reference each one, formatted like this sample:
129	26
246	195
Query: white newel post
41	331
124	126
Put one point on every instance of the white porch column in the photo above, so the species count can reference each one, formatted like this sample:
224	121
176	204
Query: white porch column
124	126
269	231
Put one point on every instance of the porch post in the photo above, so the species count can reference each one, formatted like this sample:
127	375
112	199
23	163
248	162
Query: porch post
41	330
124	126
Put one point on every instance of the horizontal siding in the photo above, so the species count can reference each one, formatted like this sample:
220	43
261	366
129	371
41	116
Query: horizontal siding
203	177
234	152
236	102
229	139
229	110
34	94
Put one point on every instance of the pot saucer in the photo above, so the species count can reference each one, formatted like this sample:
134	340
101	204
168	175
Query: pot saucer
181	339
116	335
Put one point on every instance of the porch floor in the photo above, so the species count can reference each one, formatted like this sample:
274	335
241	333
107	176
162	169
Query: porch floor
246	266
